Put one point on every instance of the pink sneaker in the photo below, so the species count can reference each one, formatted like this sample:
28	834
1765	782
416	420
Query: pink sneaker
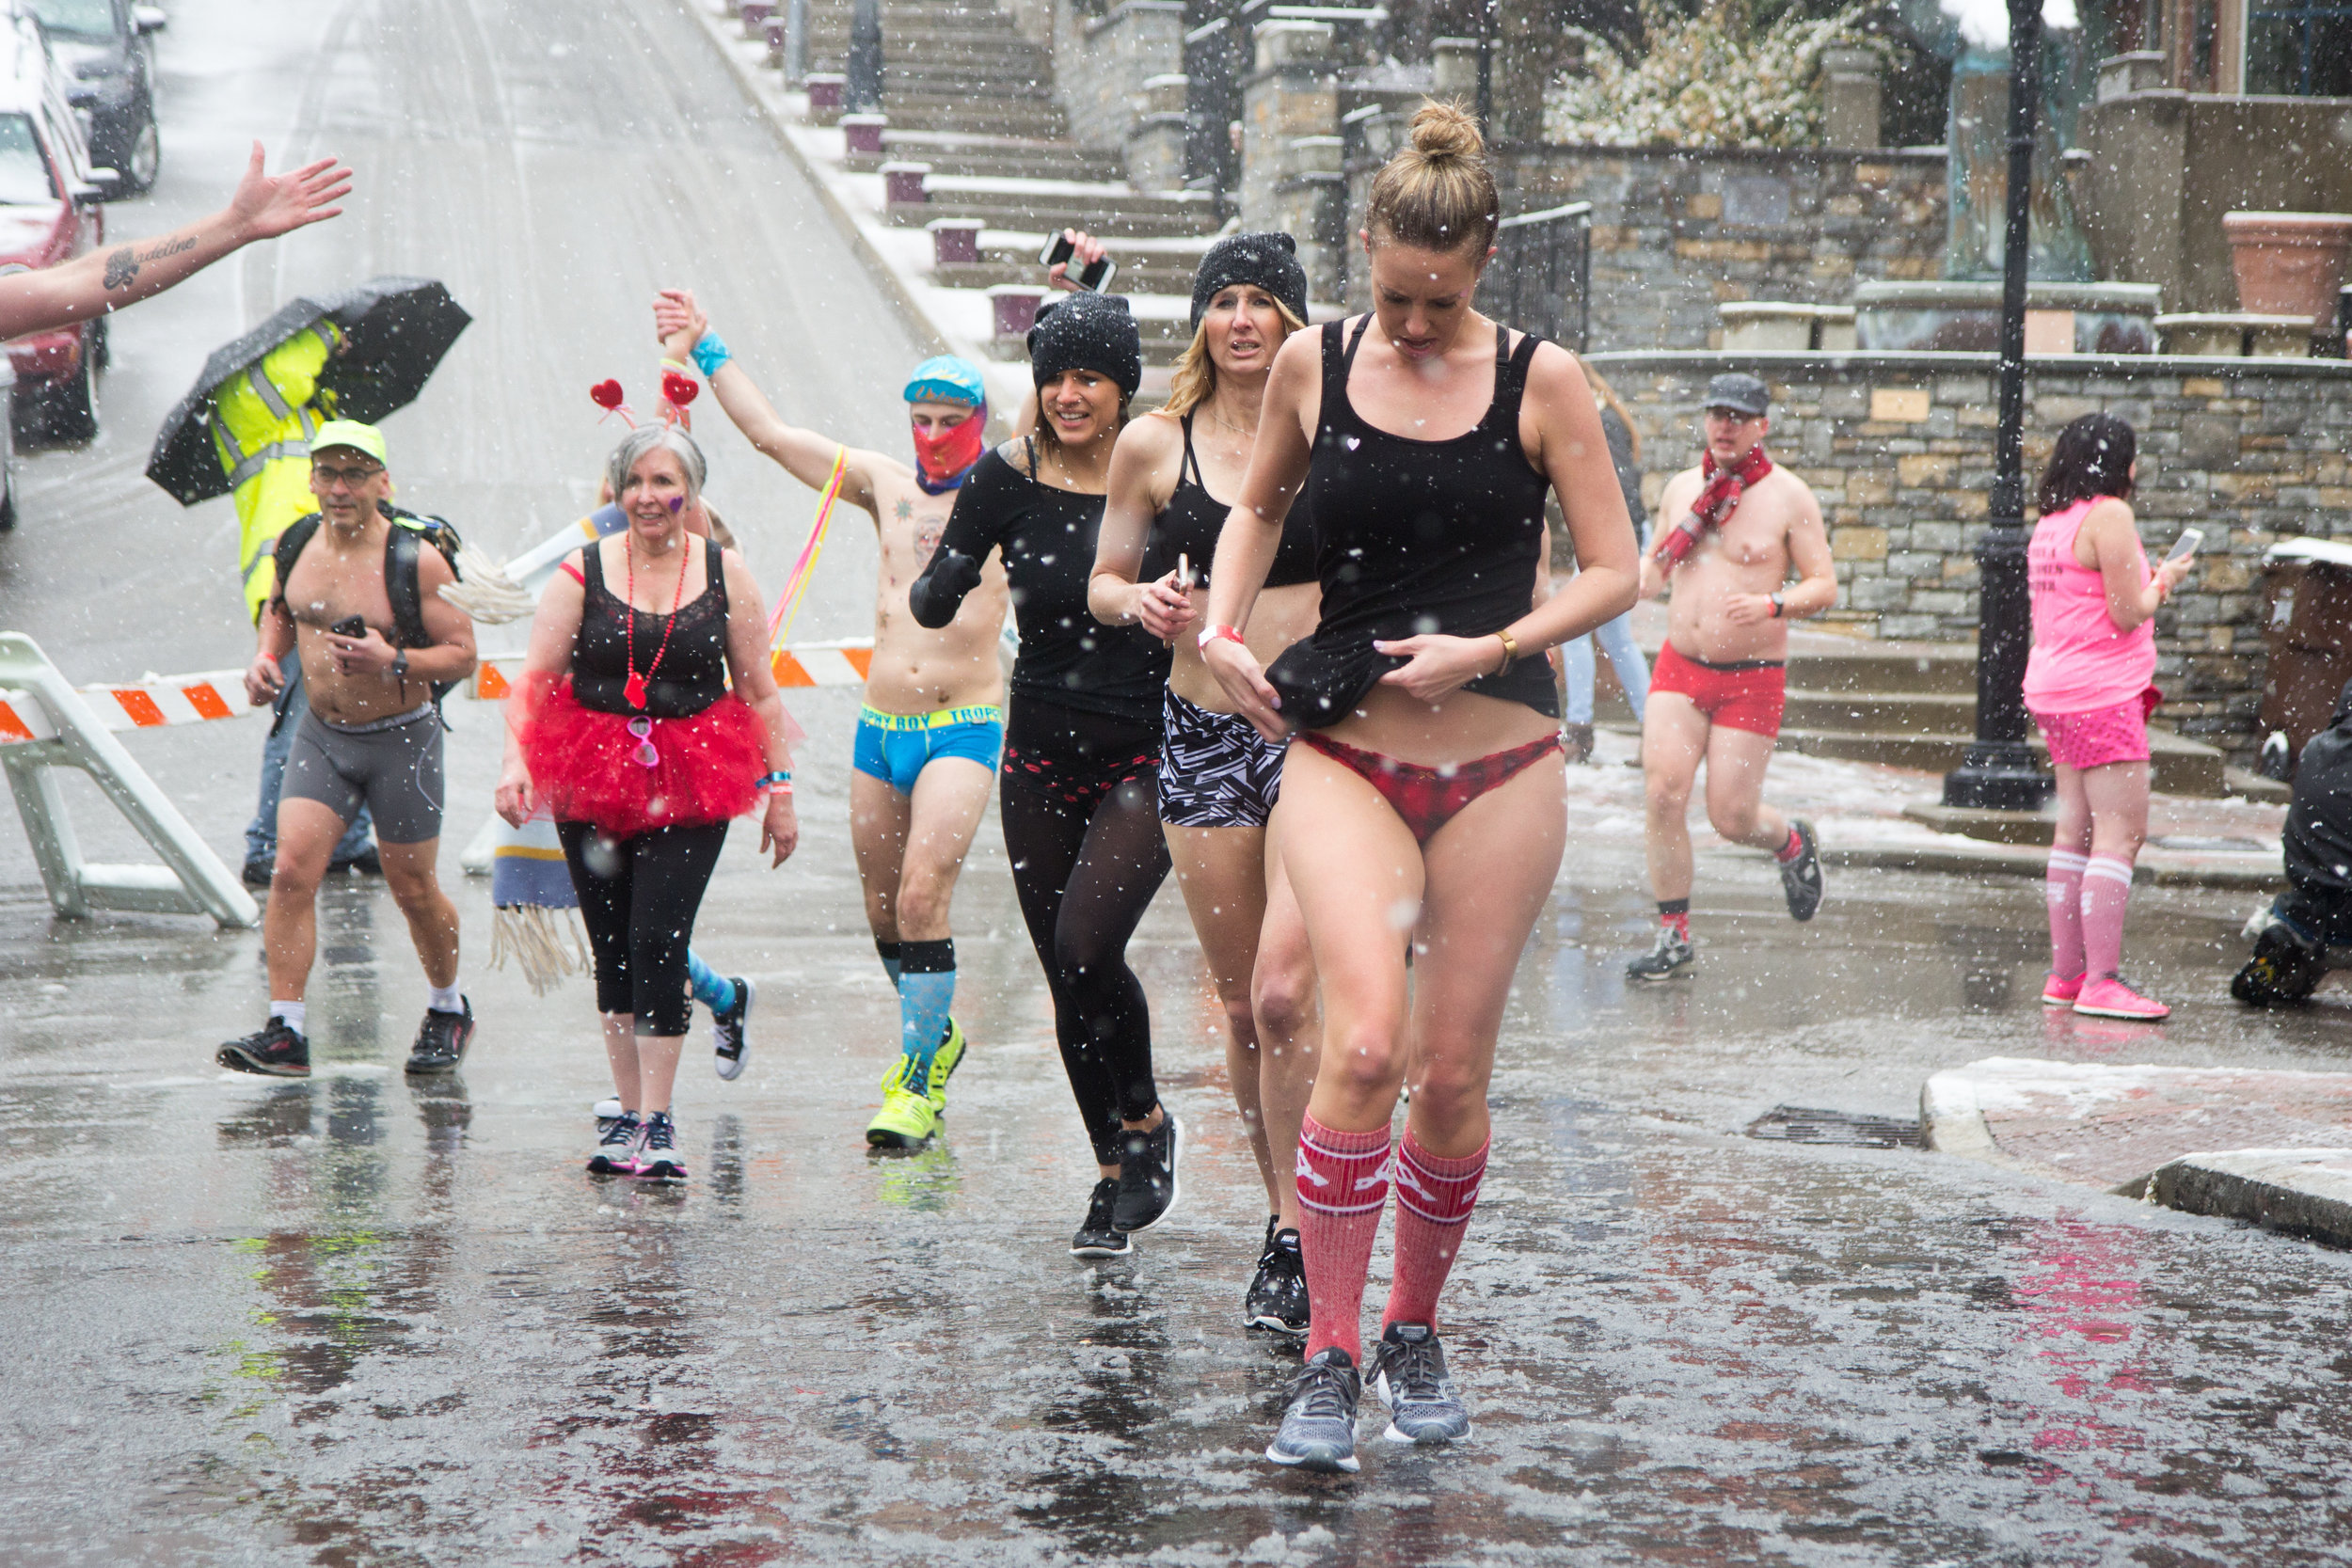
2109	997
2060	991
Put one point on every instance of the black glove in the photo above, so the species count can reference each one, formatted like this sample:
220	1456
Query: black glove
939	593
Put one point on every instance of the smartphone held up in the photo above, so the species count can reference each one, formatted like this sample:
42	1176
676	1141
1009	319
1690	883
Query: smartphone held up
1095	277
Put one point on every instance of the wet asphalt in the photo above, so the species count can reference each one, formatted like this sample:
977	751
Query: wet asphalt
368	1320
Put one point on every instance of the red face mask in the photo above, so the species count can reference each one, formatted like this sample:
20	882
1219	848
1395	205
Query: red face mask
942	459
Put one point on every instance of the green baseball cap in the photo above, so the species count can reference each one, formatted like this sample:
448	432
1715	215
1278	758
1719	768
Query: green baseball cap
352	434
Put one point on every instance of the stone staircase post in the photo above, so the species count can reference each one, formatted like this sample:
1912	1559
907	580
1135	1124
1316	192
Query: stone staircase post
1290	178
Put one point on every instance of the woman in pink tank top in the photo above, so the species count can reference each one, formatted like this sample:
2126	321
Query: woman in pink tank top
2088	687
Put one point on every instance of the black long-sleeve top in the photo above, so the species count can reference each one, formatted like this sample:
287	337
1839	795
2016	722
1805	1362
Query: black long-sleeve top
1047	535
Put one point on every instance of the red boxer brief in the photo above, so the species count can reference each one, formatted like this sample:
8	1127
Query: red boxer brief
1748	695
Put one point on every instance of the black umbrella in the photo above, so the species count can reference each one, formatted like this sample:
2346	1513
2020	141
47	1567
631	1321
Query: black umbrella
395	331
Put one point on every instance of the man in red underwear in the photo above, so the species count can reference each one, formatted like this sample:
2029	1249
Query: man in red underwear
1742	527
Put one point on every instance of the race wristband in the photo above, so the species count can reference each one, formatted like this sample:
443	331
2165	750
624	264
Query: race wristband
710	354
1779	608
779	782
1217	633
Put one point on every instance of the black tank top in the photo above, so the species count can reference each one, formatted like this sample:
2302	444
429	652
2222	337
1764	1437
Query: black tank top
1418	536
1193	519
694	673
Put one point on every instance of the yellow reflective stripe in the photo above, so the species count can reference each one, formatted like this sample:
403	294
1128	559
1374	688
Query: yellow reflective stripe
941	719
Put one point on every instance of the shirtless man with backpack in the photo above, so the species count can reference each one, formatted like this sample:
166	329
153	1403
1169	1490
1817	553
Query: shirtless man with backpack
359	599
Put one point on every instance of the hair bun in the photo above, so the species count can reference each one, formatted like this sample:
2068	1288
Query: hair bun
1446	131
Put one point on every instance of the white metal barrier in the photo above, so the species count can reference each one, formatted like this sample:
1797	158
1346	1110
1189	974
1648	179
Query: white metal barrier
49	725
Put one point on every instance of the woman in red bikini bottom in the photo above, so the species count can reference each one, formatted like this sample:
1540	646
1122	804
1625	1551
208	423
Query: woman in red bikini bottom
1422	796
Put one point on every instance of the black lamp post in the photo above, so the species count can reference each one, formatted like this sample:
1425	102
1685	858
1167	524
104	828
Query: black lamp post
864	91
1998	770
1486	69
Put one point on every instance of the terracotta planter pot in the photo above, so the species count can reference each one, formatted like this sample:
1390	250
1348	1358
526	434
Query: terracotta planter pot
2290	263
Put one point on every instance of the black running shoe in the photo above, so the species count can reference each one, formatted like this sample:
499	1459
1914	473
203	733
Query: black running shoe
1276	1301
1319	1428
1146	1176
658	1159
726	1031
274	1051
1672	959
367	862
1801	877
2283	969
1097	1237
257	869
442	1039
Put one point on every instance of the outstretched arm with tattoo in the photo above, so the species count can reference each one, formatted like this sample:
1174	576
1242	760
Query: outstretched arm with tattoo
263	207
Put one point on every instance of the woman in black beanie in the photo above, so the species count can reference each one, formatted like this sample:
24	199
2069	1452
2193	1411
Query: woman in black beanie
1171	479
1082	741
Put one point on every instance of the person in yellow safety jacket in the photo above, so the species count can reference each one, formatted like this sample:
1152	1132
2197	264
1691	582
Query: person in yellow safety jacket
263	418
262	421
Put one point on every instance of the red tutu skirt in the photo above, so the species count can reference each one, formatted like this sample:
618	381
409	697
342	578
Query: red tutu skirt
589	768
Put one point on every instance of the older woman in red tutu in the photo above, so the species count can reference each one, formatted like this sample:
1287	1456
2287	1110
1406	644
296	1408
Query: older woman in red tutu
626	731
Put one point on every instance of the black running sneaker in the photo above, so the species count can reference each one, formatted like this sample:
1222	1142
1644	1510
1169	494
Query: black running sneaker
1146	1176
2283	969
1276	1301
1097	1237
258	870
1672	959
658	1159
1319	1428
274	1051
442	1039
1801	877
1408	1372
726	1031
367	862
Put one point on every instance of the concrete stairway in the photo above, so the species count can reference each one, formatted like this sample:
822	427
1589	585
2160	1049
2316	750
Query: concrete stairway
950	66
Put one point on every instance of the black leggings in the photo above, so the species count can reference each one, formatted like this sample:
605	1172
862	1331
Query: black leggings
1080	802
638	897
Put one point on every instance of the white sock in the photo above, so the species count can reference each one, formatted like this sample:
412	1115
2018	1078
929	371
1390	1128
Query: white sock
294	1013
444	999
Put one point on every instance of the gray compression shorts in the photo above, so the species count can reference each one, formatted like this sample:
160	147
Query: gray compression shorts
393	765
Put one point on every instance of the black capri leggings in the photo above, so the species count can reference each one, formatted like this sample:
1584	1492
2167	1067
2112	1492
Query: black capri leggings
638	897
1080	802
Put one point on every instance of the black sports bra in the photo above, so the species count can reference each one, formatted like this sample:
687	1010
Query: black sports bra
1193	520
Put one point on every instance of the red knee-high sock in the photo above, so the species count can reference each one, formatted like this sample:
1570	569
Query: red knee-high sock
1434	1200
1343	1186
2062	884
2107	891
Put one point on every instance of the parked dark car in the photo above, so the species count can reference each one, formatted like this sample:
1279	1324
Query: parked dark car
103	47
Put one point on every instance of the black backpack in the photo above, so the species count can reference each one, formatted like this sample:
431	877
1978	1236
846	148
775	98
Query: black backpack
408	534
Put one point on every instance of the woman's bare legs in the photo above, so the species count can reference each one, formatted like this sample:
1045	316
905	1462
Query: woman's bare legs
1222	872
1282	999
645	1066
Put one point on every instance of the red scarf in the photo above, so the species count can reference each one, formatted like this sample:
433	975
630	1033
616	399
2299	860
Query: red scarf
941	461
1718	496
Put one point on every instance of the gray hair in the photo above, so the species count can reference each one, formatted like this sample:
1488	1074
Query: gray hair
655	437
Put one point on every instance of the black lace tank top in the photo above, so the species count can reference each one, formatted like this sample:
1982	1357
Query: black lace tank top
694	673
1193	519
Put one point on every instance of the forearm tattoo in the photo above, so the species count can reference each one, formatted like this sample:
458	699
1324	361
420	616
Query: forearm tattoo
122	266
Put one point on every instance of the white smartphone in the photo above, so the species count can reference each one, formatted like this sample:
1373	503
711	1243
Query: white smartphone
2186	546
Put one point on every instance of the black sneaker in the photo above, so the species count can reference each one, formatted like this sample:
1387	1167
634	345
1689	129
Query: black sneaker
367	862
658	1159
726	1031
1146	1176
274	1051
1276	1300
2283	969
1672	959
442	1039
1319	1428
257	869
1097	1237
1801	877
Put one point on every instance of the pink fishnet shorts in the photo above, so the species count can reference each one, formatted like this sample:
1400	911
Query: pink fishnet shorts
2101	735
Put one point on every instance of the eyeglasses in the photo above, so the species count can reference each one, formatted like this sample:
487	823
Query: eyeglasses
351	478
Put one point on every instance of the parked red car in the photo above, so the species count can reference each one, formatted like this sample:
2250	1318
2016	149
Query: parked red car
49	212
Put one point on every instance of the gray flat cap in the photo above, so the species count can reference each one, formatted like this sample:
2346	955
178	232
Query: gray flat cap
1746	393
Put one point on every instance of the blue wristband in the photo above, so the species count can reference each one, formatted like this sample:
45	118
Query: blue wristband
774	780
710	354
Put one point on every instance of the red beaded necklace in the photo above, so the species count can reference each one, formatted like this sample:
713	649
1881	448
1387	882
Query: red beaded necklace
633	689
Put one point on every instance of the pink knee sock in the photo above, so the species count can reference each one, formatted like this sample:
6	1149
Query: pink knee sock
2064	887
1434	1200
1343	1186
2106	889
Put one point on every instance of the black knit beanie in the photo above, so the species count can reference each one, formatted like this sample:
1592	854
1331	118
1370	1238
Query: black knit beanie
1270	261
1086	332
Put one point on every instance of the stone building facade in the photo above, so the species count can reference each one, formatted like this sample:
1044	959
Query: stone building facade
1899	449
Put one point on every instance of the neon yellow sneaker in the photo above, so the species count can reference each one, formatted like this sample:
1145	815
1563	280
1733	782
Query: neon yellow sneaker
944	1064
907	1117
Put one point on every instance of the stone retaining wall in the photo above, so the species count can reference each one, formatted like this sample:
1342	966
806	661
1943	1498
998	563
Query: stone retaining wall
1898	448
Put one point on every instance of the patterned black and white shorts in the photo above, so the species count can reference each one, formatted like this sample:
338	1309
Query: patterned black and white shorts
1216	770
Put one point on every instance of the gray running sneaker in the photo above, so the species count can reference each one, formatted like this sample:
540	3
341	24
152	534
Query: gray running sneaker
1319	1428
1672	959
1408	1372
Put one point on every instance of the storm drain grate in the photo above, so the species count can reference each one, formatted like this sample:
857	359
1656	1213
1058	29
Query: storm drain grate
1798	1124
